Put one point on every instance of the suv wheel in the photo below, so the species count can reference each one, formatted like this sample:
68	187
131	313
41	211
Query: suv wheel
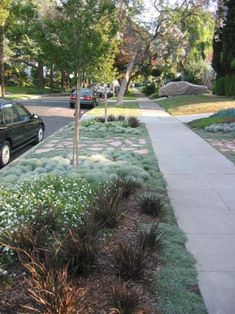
5	154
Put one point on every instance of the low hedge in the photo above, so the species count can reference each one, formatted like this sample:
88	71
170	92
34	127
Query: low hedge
225	86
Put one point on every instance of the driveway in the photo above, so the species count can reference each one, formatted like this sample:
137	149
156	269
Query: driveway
55	112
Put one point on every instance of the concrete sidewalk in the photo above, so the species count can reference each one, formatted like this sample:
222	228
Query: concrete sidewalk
201	186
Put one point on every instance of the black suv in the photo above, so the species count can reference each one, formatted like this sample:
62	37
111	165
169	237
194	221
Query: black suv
18	127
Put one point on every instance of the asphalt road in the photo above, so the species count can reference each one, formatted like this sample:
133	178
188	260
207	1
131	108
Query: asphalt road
55	112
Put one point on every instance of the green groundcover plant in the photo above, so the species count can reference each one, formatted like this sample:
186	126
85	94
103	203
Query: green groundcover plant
66	195
220	121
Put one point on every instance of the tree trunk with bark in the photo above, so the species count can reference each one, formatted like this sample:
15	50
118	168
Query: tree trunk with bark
126	79
51	80
2	70
40	75
62	81
105	103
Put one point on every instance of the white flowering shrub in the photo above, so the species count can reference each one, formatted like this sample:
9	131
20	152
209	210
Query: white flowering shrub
67	196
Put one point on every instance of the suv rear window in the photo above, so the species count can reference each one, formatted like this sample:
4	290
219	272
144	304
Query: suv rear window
86	92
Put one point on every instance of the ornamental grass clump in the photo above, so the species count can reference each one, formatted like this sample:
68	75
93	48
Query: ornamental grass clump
150	204
100	119
111	117
78	253
124	300
105	209
51	290
121	118
26	240
88	228
105	216
128	185
133	122
150	240
129	260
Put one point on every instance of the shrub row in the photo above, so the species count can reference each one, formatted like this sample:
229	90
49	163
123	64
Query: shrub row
225	86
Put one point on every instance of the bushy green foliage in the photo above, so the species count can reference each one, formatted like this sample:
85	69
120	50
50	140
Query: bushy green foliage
154	95
219	88
150	203
150	89
225	86
66	197
229	85
115	125
224	41
194	71
176	279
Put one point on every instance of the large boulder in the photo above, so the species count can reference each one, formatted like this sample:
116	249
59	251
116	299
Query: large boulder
182	88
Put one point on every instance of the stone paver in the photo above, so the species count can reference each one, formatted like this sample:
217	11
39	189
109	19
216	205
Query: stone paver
201	187
141	151
43	150
116	143
223	145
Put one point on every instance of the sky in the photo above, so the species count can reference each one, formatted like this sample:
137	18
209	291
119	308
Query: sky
150	12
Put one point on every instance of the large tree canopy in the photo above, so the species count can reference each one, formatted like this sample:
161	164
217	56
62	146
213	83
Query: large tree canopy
224	48
224	40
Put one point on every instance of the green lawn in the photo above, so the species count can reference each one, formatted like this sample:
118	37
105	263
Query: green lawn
204	122
130	108
128	96
24	92
193	104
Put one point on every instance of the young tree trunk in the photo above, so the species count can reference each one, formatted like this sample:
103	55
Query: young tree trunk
105	103
62	81
127	85
2	70
77	123
125	80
